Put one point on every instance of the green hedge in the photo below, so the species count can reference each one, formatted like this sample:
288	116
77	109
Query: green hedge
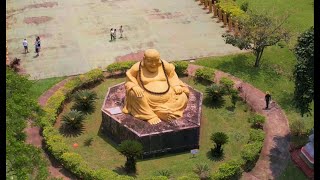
250	154
120	66
180	67
228	170
256	135
204	74
231	8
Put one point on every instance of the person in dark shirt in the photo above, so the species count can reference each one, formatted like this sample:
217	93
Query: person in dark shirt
268	99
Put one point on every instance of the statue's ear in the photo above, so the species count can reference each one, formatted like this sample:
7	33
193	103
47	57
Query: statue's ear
142	62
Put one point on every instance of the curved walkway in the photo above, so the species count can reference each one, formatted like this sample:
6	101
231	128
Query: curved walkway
35	138
275	152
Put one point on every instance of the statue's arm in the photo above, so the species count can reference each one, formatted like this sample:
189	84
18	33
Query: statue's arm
131	77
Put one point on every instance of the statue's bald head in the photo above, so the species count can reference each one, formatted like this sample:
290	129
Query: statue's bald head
151	60
151	53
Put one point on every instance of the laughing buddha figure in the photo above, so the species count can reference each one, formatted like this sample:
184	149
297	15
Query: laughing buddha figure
153	90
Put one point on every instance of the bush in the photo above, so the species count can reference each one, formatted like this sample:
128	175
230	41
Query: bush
244	6
54	142
76	164
231	8
203	171
92	76
227	84
219	138
215	92
102	174
204	74
228	171
157	178
256	135
250	154
84	101
73	119
120	66
131	149
257	121
180	67
297	127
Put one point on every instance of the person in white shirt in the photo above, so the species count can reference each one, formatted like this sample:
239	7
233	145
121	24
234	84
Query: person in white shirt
25	45
111	34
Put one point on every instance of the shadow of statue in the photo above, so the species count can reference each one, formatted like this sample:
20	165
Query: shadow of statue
71	132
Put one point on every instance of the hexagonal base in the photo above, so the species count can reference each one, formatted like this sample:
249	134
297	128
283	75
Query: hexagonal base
176	136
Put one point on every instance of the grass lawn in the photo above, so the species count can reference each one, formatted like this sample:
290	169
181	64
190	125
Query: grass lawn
102	152
42	85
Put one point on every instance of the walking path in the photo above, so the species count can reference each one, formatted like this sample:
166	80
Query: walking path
34	137
275	152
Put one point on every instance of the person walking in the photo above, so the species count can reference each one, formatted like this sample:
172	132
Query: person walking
115	34
111	34
121	31
25	45
268	99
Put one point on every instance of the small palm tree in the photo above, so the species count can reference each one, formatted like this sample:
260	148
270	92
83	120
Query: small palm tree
219	138
84	100
73	119
215	92
131	149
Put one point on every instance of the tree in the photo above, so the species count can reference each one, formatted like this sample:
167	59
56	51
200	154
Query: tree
219	138
23	161
131	149
304	72
203	171
257	32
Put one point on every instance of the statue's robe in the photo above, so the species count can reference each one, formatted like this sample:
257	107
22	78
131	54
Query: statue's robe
151	105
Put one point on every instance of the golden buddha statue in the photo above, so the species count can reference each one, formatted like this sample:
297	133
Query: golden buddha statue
153	90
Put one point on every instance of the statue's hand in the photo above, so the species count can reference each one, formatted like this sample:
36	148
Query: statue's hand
138	91
177	89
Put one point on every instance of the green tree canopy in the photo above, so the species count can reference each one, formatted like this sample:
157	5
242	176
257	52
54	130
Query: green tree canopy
304	72
257	32
23	161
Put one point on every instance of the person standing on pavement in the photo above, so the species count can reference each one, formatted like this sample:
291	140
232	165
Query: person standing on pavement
115	34
121	31
37	45
268	99
25	45
111	34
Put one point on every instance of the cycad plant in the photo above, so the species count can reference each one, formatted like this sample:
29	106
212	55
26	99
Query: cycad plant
203	171
219	138
215	92
73	119
84	101
131	149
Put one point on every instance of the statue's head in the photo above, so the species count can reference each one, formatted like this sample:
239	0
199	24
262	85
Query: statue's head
151	60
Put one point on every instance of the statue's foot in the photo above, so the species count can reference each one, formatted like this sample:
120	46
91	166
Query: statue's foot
171	117
154	120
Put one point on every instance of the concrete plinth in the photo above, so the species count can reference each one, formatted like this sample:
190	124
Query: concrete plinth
176	136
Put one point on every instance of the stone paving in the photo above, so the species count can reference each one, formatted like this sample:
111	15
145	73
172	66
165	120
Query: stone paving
75	34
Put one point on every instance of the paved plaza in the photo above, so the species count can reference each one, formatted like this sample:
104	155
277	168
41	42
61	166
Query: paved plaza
75	34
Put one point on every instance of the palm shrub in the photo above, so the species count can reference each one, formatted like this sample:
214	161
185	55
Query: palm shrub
219	138
203	171
73	119
84	100
257	121
131	150
164	172
215	92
